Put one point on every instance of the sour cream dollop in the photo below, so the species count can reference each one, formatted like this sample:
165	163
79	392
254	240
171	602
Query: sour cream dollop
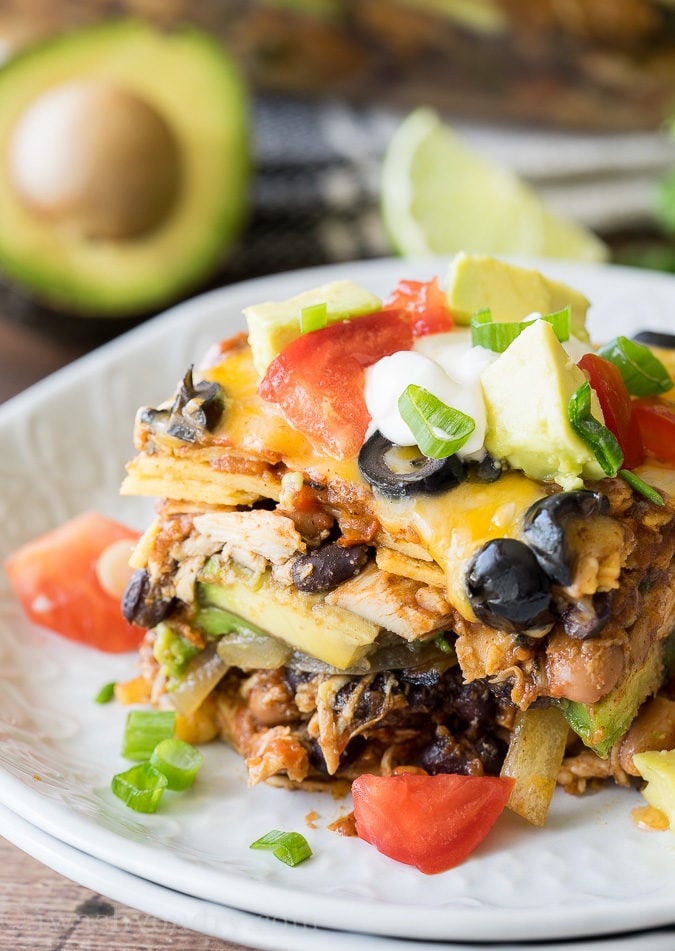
445	365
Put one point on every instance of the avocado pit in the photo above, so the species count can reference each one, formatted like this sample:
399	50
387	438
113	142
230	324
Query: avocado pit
97	159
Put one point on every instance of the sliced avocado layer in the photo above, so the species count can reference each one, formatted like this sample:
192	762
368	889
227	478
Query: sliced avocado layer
601	724
305	621
186	77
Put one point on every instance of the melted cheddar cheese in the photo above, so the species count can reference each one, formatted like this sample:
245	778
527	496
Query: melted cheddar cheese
453	525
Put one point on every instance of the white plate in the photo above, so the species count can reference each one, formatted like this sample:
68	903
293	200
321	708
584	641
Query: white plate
266	934
591	871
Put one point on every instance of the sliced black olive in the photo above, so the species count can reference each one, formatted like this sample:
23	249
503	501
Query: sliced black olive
396	472
507	588
196	408
588	616
155	418
328	566
140	603
488	469
544	528
656	338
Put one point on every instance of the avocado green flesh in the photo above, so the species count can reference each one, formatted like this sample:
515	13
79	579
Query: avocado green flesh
275	324
217	621
331	634
187	77
599	725
510	292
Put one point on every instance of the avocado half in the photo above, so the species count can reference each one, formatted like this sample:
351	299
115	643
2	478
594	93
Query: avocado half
188	80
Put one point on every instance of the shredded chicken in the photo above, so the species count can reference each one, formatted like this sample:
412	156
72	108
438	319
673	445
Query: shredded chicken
268	534
388	600
326	724
276	750
577	772
600	547
338	717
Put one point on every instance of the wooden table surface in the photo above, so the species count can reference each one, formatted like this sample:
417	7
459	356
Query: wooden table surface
39	909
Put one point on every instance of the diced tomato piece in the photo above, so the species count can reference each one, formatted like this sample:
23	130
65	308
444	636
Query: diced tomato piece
656	419
425	304
318	379
55	578
617	406
431	822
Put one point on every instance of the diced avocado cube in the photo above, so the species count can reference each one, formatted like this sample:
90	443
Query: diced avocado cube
172	651
304	621
601	724
511	293
658	768
527	391
275	324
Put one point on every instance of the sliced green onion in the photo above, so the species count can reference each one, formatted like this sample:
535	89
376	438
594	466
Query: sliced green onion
439	430
639	485
642	372
178	761
140	787
603	443
313	317
497	335
289	847
144	730
561	321
106	693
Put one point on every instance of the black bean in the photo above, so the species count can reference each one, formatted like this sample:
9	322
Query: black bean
587	617
141	603
353	750
473	702
328	566
449	754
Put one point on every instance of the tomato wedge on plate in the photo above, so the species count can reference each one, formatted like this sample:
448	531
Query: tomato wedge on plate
425	304
617	406
656	419
55	578
318	379
431	822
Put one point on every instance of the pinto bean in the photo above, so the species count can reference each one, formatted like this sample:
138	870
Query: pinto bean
582	671
270	700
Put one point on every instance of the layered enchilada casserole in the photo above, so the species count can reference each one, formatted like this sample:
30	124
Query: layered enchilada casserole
433	533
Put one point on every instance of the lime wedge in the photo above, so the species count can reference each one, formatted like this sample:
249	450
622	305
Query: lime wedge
439	196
